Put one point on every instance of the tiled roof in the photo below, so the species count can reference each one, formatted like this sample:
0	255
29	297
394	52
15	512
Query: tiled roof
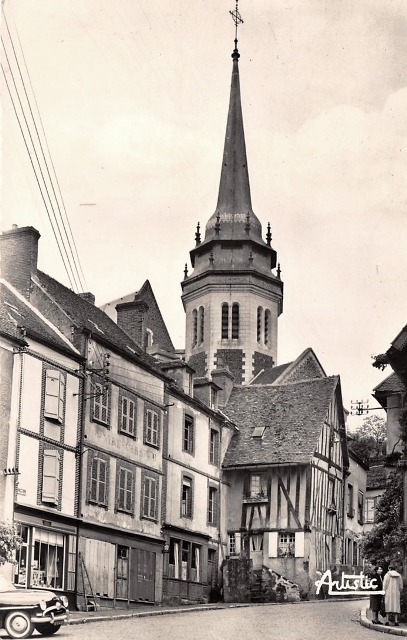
376	477
293	415
85	315
391	384
19	318
268	376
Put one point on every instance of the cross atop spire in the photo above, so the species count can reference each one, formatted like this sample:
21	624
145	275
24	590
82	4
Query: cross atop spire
237	19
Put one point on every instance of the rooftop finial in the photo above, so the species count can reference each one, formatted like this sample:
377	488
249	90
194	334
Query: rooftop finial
237	19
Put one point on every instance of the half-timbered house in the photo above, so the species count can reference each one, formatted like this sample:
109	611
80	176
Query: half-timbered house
285	467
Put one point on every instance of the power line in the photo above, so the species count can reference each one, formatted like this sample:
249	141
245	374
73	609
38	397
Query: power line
36	175
72	260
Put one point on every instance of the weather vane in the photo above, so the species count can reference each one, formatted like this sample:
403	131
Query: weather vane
237	19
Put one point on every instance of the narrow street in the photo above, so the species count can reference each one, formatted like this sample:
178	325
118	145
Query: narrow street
305	621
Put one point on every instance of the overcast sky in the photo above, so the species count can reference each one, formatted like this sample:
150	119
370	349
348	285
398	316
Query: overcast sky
133	96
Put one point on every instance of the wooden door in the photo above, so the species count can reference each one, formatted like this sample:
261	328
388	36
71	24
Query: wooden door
142	575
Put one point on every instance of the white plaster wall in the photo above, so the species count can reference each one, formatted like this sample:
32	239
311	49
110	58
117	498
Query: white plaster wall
71	410
68	484
31	394
28	467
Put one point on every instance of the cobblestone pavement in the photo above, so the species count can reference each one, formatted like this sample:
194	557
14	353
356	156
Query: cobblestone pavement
302	621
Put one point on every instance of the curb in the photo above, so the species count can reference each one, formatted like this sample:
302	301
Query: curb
365	622
214	607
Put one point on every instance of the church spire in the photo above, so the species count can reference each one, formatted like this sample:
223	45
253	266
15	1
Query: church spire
234	199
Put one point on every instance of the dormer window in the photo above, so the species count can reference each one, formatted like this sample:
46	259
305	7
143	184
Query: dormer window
258	432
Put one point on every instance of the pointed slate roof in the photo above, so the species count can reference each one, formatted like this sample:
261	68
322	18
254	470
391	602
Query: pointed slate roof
293	415
18	318
61	302
153	316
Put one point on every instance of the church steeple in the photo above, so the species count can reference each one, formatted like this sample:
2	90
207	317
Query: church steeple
232	299
234	204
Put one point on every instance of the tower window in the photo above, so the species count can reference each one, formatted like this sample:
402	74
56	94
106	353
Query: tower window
267	324
225	320
259	323
235	320
201	324
194	328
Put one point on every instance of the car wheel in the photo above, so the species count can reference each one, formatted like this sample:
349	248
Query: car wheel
18	624
47	629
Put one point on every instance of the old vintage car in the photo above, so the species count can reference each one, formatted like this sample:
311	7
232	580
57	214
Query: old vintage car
23	610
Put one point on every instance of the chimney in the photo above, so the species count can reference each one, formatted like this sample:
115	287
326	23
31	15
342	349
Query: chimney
18	257
88	296
131	317
224	378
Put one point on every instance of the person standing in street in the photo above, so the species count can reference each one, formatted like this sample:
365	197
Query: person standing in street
376	598
392	585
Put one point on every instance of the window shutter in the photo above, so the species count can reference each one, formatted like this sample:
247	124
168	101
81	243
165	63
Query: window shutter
156	494
156	431
50	476
238	543
273	544
93	462
122	488
54	394
103	472
299	544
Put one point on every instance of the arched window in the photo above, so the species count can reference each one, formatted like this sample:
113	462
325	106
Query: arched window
235	320
267	327
225	320
259	322
201	324
194	327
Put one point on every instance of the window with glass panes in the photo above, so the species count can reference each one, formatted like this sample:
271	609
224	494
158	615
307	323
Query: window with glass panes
149	498
188	434
100	406
128	416
214	447
151	427
286	543
98	481
186	497
125	490
212	505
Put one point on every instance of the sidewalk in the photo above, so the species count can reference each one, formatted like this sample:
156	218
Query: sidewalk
365	621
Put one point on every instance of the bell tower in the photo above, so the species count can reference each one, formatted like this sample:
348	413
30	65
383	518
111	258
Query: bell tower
232	299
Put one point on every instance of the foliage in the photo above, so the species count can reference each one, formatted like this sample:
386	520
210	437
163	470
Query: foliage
368	440
403	429
9	542
387	540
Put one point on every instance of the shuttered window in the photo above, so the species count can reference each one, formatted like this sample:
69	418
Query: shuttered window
127	420
50	476
151	427
150	497
125	490
54	395
98	481
100	408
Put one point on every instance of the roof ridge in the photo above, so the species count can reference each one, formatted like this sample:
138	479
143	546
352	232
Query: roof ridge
38	313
